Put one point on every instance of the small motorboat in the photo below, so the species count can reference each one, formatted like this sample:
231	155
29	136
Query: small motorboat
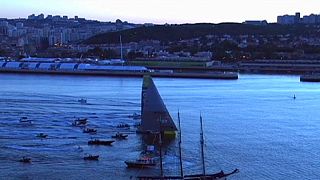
120	136
89	130
42	135
82	101
123	125
141	163
25	120
100	142
91	158
25	160
80	122
135	116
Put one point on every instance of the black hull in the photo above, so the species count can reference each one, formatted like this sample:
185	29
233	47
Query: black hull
98	142
217	176
91	158
120	137
138	165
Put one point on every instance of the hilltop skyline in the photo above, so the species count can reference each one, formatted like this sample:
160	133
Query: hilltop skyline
160	12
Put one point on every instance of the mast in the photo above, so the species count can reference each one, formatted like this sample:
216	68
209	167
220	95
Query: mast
180	151
160	149
202	152
121	48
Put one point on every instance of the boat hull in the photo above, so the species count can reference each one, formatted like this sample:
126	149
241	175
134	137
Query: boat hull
91	158
139	165
99	142
120	137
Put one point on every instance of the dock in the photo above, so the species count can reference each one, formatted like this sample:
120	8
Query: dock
310	78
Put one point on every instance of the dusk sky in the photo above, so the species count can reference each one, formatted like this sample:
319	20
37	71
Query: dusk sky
161	11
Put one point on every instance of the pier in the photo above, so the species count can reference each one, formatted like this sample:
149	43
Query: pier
205	75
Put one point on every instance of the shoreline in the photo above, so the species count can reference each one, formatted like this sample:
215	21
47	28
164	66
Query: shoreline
307	70
212	75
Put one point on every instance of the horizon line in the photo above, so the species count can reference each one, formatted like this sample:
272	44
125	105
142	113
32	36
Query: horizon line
136	22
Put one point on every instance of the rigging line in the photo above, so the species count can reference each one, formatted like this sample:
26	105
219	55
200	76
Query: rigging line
215	155
206	150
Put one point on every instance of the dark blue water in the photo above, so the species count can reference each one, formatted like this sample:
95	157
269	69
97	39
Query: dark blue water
253	124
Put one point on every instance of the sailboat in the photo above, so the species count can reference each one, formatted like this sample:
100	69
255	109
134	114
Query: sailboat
156	120
220	175
203	176
153	110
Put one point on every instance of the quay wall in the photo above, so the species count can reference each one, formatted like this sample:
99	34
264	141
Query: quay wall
216	75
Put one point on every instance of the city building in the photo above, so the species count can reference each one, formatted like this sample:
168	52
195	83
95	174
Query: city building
312	19
4	27
296	19
286	19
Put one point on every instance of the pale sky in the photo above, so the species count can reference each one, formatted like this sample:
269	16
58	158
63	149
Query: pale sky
162	11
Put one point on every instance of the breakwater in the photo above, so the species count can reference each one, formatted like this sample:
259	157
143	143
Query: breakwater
212	75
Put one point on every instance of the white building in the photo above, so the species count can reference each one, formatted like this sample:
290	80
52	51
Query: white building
204	54
19	25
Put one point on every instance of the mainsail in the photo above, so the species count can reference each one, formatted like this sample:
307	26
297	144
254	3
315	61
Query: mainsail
154	114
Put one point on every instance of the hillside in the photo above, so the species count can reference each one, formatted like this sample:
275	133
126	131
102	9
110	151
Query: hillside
169	33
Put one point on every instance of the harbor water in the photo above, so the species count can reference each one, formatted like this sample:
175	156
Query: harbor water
253	124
